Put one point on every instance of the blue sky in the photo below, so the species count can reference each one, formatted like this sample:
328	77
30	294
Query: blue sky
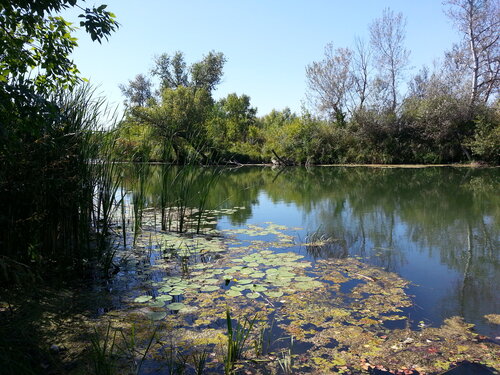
267	43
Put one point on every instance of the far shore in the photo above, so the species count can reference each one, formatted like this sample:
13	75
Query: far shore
408	166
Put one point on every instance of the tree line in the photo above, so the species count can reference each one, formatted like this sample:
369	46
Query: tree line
357	109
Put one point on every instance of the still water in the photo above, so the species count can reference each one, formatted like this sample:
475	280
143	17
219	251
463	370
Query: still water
439	228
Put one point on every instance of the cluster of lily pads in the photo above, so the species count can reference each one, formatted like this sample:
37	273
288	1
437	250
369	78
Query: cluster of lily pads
333	305
183	246
191	218
263	274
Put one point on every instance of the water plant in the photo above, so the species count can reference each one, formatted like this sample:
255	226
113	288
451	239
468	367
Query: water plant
131	349
56	150
285	359
175	361
199	360
138	198
237	336
102	354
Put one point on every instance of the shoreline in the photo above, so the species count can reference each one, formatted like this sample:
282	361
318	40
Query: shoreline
406	166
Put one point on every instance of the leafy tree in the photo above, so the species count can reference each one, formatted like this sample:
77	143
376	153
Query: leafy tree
174	72
171	70
138	91
238	115
207	73
32	38
179	118
387	36
277	118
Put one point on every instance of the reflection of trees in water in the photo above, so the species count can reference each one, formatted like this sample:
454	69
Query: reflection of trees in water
380	214
368	235
477	261
368	209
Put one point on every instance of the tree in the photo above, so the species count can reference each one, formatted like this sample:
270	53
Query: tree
479	51
33	39
173	71
329	81
236	117
387	36
179	118
360	73
207	73
138	91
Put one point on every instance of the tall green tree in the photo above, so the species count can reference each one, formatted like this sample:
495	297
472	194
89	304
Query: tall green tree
239	117
178	120
174	72
138	91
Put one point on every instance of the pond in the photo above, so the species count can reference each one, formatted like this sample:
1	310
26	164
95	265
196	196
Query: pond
336	258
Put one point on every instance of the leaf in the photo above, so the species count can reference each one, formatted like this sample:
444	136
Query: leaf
142	299
176	306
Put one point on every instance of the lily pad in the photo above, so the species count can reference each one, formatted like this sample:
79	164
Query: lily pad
176	292
165	289
233	293
157	315
176	306
142	299
164	298
157	303
257	275
244	281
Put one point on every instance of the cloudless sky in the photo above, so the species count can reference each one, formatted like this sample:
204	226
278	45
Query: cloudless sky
267	43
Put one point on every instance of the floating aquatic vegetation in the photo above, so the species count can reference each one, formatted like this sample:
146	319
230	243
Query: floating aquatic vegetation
493	318
141	299
338	307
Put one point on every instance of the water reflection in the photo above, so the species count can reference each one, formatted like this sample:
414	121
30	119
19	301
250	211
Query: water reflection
438	227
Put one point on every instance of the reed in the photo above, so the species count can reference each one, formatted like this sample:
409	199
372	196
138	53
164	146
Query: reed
56	186
285	359
199	361
237	336
103	352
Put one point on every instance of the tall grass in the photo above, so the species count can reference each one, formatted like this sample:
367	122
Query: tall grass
57	193
237	336
56	190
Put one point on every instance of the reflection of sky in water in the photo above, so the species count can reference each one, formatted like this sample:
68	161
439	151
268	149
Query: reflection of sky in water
390	243
437	227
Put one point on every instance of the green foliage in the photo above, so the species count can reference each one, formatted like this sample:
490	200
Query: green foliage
32	37
434	124
174	72
138	91
237	337
207	73
48	188
485	144
435	127
178	120
103	352
232	120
